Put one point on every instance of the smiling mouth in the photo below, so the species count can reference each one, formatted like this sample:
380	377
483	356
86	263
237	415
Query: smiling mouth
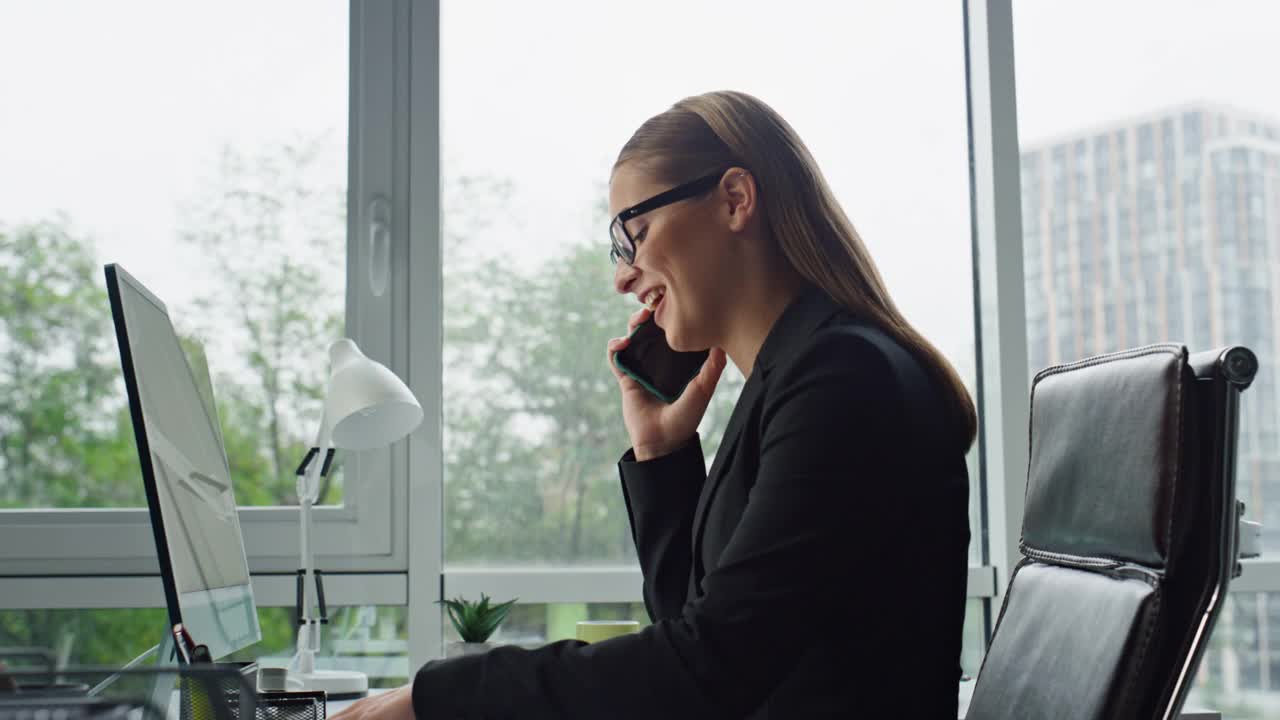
655	298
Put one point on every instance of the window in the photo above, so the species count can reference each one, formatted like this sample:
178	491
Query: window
535	624
210	158
219	184
532	425
1131	82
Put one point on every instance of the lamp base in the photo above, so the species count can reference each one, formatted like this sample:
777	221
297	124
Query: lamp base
338	684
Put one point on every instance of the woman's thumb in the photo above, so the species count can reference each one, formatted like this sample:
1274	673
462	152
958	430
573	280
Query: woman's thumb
712	368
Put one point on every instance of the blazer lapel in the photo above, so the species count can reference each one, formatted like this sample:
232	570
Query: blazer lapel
728	443
799	321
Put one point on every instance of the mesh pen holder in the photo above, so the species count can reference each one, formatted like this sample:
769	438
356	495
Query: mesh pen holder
136	693
291	705
219	699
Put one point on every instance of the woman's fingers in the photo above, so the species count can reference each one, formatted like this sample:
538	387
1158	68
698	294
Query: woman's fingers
637	317
392	705
712	368
614	346
617	344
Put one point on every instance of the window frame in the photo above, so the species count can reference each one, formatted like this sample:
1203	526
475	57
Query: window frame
365	532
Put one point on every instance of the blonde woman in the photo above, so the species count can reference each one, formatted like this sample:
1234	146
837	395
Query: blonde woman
819	568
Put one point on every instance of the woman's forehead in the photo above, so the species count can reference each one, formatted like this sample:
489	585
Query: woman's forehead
630	185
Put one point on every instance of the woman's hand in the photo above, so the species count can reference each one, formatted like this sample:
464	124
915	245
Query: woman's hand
392	705
655	427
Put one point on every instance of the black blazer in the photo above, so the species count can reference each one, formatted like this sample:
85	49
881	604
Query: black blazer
818	570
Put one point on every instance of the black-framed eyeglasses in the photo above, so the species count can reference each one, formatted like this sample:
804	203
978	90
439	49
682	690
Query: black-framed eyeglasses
624	245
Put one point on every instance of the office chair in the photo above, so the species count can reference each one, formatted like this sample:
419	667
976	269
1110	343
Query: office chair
1129	536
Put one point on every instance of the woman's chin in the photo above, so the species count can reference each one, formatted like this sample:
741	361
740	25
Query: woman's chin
675	341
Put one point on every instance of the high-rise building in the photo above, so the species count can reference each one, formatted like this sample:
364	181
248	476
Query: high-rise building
1166	227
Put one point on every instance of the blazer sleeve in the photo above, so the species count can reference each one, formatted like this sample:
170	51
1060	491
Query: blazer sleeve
824	485
661	496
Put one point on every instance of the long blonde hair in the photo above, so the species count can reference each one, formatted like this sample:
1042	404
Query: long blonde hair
717	130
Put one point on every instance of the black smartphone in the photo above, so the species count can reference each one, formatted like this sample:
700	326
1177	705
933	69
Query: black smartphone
650	361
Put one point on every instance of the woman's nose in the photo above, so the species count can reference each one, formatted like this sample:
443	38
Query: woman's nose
623	276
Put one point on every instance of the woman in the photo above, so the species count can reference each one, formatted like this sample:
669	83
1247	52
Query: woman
819	569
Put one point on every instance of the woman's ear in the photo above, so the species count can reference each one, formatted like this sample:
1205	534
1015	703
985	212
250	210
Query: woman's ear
739	188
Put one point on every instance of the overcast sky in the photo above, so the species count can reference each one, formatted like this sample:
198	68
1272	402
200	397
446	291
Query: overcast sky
114	112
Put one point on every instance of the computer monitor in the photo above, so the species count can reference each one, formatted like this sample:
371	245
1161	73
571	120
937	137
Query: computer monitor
185	471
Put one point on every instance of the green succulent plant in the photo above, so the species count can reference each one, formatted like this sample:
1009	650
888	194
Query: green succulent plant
476	621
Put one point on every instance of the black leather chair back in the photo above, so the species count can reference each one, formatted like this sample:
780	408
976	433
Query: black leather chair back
1128	536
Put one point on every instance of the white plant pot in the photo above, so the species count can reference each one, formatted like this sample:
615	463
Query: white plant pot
458	649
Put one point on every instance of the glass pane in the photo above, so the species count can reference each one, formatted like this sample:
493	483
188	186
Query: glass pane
1151	193
1240	673
208	157
975	636
373	640
532	120
85	637
974	649
532	625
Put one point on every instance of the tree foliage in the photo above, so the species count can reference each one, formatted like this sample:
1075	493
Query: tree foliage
272	233
61	409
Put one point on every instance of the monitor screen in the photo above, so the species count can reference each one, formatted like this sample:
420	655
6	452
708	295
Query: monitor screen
184	467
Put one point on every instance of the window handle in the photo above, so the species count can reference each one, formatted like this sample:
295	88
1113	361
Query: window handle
379	244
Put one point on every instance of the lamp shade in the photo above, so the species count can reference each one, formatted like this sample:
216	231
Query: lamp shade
367	406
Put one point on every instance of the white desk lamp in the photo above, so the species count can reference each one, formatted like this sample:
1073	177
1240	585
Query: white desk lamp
366	407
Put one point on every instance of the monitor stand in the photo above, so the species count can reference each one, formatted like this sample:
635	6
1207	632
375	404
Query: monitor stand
161	692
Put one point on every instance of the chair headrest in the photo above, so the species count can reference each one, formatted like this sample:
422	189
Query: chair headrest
1107	457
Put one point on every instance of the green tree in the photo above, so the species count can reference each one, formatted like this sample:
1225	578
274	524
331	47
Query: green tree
61	408
272	232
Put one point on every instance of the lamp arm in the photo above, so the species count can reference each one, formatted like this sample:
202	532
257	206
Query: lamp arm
308	632
309	473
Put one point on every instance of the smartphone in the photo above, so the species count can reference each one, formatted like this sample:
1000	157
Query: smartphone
650	361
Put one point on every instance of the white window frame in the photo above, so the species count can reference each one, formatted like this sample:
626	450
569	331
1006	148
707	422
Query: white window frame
366	533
